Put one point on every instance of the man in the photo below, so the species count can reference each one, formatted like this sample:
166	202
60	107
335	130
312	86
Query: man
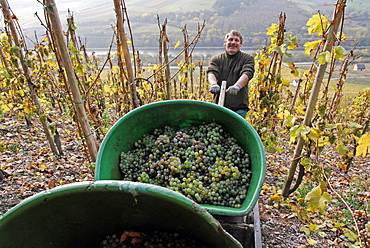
237	68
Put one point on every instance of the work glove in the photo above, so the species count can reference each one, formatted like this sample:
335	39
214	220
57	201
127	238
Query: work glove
233	90
214	88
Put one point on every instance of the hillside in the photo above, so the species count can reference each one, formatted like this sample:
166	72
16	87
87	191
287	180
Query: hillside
252	17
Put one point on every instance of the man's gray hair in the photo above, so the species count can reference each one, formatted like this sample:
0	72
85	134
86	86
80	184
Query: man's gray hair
234	32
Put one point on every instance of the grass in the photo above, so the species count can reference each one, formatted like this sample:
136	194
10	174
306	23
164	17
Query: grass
312	5
178	5
356	81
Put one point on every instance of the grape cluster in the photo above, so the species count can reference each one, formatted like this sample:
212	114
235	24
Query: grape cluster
363	220
204	163
156	239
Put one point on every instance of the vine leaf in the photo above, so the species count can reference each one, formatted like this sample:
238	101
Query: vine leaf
276	197
292	42
6	107
73	27
178	43
350	235
281	50
311	46
306	230
363	147
293	69
317	24
273	29
324	57
311	242
339	52
342	148
314	134
316	200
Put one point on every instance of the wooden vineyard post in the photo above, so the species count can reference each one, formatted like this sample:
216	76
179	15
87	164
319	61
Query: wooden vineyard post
329	43
123	47
52	12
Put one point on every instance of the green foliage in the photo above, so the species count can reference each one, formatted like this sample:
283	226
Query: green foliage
330	127
316	200
228	7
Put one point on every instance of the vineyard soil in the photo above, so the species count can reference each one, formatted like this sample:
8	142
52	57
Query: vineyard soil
28	167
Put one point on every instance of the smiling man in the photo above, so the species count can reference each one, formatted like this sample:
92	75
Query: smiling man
237	68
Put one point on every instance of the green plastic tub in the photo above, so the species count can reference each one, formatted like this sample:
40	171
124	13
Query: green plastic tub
83	214
180	113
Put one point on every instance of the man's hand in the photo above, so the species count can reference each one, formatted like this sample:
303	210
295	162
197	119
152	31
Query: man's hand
214	88
233	90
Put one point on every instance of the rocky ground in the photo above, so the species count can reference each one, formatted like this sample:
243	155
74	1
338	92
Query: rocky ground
27	167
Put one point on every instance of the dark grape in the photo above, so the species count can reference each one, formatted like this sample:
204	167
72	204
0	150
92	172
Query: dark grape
155	239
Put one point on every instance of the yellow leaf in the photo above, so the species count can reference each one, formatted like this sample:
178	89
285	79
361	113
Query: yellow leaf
28	108
300	200
108	89
285	82
306	230
311	241
323	141
314	134
6	107
52	63
293	69
140	92
363	147
115	69
276	197
313	227
264	187
283	114
3	37
271	30
310	47
177	44
155	67
128	42
146	86
317	24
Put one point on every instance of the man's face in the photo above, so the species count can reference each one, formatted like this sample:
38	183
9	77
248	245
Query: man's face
232	44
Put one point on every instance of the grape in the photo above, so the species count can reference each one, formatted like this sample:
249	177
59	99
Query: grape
131	239
204	163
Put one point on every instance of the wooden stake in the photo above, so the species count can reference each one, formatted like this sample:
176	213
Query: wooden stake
51	9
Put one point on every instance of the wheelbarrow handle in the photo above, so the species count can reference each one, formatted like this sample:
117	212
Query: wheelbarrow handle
221	98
